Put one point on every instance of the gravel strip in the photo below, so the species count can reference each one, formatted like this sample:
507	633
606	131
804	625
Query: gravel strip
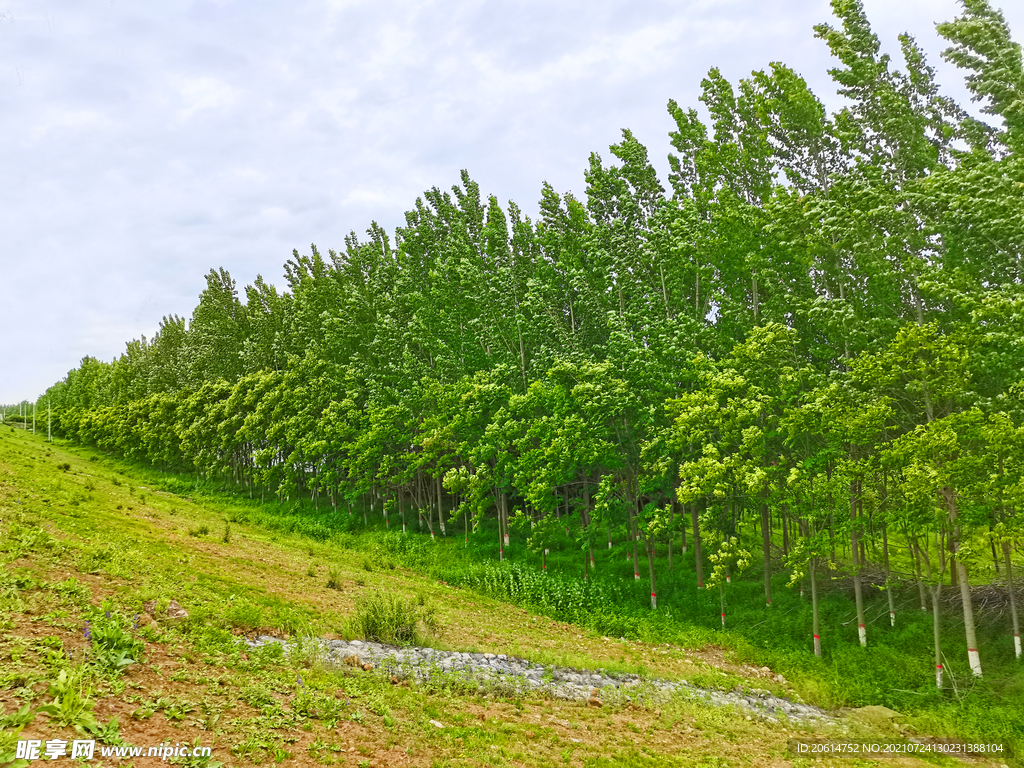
515	675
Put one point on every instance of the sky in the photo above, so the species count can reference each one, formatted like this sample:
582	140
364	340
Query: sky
148	141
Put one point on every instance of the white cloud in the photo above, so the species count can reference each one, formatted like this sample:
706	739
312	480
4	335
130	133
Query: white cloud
149	142
203	93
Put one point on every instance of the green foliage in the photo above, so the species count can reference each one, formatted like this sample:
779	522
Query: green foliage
388	618
72	703
112	645
108	733
9	748
18	719
334	580
196	760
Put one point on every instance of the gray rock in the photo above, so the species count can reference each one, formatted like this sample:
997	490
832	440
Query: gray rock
513	673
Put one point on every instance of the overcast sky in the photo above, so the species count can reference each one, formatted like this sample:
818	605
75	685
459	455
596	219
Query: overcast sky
146	141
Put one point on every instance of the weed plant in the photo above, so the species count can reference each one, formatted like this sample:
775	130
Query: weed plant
112	645
72	700
387	618
334	580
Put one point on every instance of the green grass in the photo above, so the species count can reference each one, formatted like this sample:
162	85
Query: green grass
895	671
91	519
388	618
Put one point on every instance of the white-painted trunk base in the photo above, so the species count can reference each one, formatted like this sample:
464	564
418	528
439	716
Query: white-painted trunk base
654	600
636	575
723	619
506	539
817	645
938	676
609	543
728	579
975	659
863	632
892	618
1016	645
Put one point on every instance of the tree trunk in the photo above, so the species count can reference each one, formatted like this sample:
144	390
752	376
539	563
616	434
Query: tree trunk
634	535
698	566
418	490
440	507
649	546
501	538
682	531
937	633
912	546
814	611
936	591
862	631
965	585
671	522
992	543
785	532
888	574
766	547
1013	598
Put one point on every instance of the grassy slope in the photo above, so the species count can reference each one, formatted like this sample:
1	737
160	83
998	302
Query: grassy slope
86	536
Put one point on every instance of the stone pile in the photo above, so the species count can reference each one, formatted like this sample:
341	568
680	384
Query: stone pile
515	676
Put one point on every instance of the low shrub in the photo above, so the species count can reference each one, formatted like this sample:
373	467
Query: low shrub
387	618
333	578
